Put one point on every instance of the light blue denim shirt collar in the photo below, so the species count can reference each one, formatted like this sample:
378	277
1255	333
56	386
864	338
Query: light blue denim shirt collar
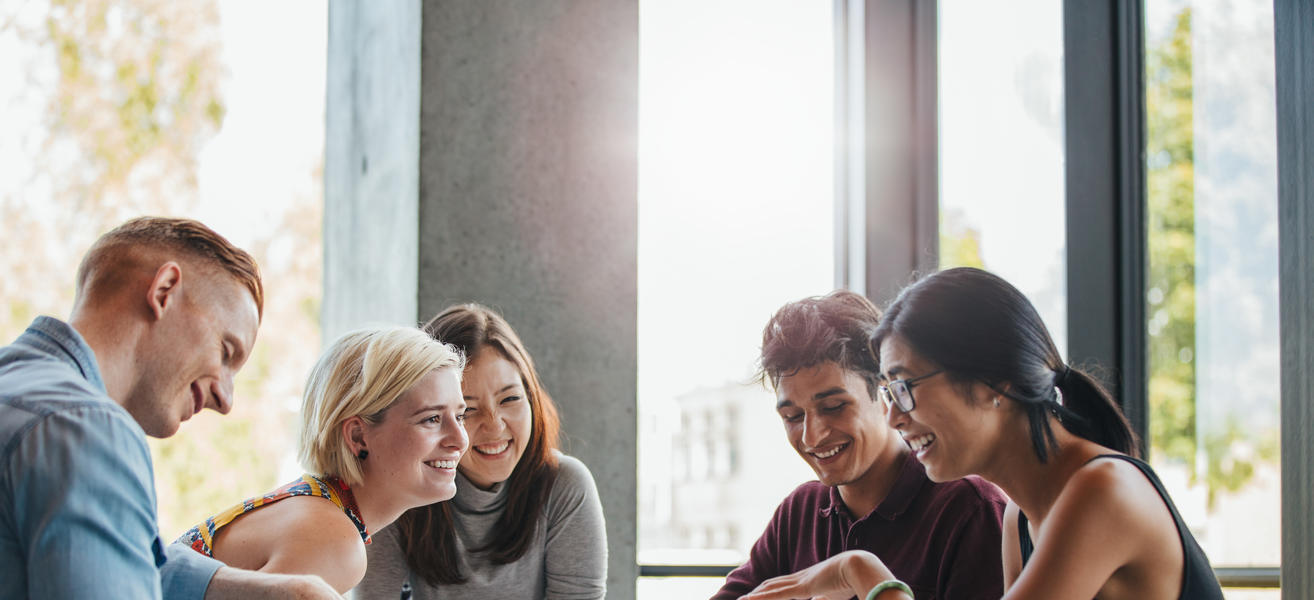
60	340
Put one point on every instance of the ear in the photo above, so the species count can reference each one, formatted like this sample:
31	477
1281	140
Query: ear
353	433
165	288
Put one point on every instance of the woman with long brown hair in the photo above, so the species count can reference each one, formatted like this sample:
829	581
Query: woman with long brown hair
526	521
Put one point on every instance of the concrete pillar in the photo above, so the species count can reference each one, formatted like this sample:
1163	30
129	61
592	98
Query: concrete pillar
525	191
371	165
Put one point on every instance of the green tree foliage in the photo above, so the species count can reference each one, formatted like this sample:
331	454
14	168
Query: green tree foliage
960	244
132	91
1170	304
1224	459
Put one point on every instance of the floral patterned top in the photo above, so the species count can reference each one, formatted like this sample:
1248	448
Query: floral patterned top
201	537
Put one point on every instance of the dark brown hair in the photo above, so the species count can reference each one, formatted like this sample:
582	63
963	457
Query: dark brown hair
831	328
427	533
191	238
978	327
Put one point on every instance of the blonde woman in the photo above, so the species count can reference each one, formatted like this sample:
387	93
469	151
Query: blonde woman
526	522
381	433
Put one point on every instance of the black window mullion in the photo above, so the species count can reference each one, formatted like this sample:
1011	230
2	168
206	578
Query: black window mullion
1104	106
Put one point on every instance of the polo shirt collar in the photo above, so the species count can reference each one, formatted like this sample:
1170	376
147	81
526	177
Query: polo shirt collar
909	482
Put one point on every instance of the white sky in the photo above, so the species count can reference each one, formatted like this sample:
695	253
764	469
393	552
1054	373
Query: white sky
1001	141
273	135
736	205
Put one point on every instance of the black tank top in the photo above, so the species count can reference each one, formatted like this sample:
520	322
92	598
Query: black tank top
1198	581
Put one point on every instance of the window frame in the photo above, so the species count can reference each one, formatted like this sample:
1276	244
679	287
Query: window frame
887	214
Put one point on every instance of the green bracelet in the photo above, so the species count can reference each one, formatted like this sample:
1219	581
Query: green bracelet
891	584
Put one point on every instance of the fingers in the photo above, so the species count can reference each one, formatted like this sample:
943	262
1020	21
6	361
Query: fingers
785	587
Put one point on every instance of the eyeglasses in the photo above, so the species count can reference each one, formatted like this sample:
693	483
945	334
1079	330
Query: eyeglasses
899	391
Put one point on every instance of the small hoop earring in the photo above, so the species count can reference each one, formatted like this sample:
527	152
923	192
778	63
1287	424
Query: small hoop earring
363	454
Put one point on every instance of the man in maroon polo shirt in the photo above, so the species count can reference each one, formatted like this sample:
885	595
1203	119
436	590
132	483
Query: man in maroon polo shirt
942	539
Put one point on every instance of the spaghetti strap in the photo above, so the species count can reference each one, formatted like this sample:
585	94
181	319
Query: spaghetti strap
1024	537
1198	580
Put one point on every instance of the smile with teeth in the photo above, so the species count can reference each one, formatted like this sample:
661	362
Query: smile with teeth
442	464
831	452
494	448
917	443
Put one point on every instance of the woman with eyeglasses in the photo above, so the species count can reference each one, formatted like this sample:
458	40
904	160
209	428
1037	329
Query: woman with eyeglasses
977	386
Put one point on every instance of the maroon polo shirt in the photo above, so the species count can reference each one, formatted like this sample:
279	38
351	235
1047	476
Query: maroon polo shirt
942	539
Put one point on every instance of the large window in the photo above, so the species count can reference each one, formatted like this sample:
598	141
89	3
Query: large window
1212	281
112	110
736	217
1001	147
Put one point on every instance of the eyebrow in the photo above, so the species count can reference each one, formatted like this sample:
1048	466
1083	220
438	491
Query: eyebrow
835	391
897	369
822	395
508	386
437	407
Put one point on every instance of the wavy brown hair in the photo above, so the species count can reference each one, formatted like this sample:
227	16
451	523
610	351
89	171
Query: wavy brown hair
427	534
820	329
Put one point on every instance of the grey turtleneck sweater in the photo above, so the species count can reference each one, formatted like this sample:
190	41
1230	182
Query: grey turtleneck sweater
567	561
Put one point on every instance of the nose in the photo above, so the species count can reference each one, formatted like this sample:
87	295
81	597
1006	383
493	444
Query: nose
487	420
894	416
454	436
221	396
814	430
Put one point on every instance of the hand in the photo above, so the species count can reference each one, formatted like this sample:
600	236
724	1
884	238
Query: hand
230	583
839	577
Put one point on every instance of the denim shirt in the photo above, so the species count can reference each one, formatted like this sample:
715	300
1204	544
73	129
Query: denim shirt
77	493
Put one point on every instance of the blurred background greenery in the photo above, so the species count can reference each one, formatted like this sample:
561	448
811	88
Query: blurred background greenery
109	109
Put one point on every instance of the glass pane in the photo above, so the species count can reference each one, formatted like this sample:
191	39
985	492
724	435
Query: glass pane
207	110
736	217
1212	288
1001	147
1252	593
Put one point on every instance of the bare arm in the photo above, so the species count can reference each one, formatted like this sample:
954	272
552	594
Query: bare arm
1108	518
848	574
321	542
239	584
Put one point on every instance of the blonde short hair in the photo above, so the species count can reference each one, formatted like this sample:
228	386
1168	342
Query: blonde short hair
362	374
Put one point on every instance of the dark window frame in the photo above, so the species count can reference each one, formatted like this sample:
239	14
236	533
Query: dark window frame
1105	203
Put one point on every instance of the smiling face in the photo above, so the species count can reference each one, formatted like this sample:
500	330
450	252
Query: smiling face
415	448
191	355
832	422
951	430
498	418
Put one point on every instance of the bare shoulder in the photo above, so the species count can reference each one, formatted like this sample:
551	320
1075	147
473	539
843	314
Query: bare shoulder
317	538
1107	485
1113	495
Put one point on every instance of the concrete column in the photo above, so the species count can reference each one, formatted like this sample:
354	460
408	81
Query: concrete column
525	200
371	165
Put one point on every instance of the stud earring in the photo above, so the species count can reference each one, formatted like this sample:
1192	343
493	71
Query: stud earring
996	401
363	454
